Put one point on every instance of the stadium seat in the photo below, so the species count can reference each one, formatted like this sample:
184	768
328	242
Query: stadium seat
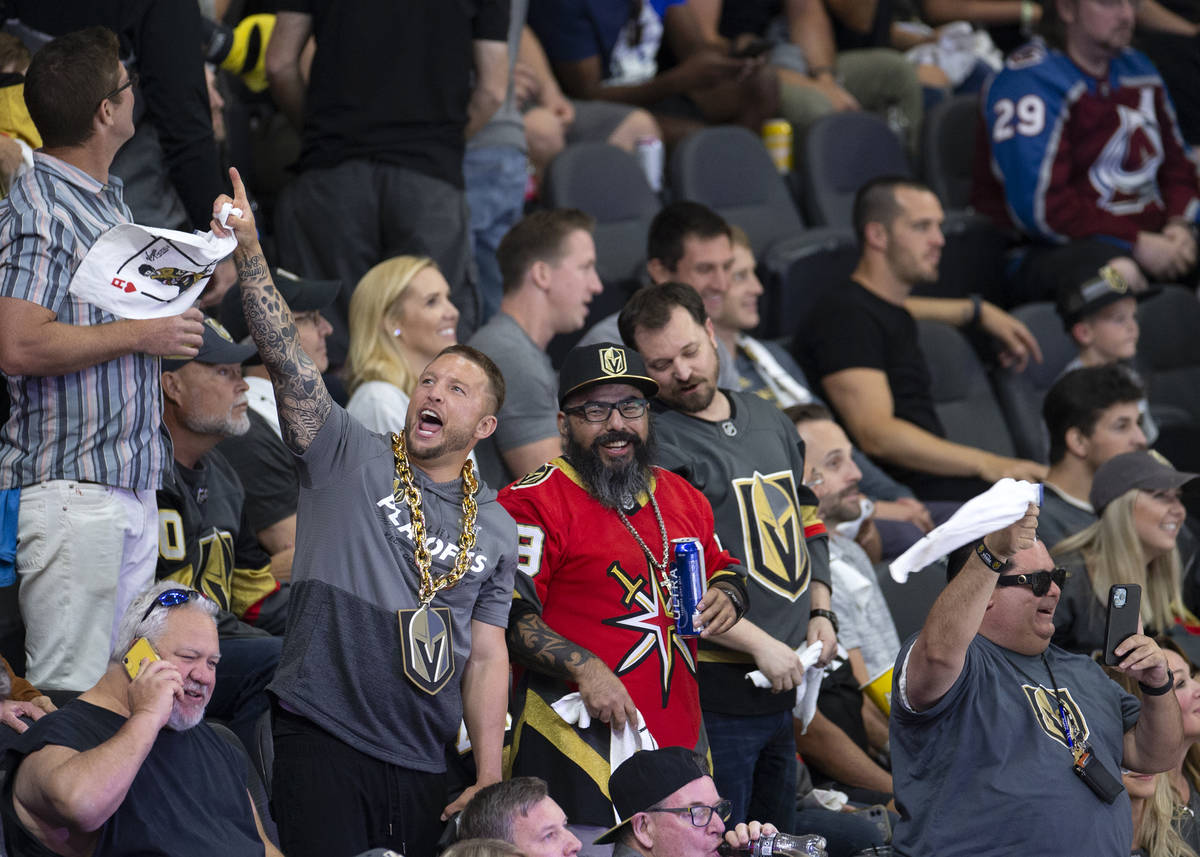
1021	393
962	395
816	261
842	152
262	755
948	149
607	183
254	782
727	169
1169	360
909	602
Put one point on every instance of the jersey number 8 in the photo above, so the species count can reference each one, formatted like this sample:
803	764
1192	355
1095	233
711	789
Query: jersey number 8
1030	115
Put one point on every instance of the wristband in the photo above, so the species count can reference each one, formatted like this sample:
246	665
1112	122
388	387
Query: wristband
1158	691
976	309
824	614
990	559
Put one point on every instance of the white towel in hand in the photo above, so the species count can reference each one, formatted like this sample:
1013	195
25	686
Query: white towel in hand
809	687
994	509
623	743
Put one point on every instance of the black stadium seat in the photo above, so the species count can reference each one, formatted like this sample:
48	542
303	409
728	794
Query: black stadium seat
1021	393
607	183
948	149
842	152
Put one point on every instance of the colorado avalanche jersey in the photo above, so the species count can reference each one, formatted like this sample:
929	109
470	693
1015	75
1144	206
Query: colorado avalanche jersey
1071	156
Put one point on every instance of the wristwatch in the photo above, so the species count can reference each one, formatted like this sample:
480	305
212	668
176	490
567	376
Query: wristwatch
825	614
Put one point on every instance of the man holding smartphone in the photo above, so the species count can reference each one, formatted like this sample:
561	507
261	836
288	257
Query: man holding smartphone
1009	721
125	766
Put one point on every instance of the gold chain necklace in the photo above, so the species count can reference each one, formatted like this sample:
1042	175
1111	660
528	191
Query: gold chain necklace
466	539
659	567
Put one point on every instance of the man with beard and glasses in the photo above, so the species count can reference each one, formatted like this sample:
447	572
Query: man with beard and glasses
743	454
129	765
205	541
860	344
592	612
401	586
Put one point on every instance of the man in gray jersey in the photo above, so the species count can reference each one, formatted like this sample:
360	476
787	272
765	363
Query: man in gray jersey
400	593
743	454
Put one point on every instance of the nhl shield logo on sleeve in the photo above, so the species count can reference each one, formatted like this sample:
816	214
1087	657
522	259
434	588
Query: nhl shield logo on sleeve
427	647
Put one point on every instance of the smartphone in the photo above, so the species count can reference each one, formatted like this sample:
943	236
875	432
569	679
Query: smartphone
140	649
1121	622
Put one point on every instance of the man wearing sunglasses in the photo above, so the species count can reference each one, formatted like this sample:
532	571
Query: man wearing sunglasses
1009	722
83	444
124	768
592	610
670	807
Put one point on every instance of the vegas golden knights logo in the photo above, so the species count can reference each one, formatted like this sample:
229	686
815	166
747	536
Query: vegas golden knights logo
612	361
1045	709
427	647
773	533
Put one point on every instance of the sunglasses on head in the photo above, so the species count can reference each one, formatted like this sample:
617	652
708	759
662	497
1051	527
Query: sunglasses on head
1038	581
171	598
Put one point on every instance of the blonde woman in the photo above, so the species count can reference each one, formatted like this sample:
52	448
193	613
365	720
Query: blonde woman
1136	495
400	319
1163	824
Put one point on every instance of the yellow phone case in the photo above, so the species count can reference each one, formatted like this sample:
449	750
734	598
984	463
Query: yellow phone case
140	649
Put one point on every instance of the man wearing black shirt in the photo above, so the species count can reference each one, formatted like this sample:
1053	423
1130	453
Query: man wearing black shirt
861	345
385	116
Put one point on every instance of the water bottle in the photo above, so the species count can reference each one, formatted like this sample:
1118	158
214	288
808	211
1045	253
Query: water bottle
778	845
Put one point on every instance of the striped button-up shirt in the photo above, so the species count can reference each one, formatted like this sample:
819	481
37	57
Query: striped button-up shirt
101	424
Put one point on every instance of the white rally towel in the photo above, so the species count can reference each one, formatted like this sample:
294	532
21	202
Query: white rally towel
1002	504
807	690
622	744
144	272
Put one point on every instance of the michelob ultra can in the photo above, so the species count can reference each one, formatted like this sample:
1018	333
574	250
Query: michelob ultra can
688	584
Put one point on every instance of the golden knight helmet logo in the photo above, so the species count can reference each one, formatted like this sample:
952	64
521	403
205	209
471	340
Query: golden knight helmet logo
612	361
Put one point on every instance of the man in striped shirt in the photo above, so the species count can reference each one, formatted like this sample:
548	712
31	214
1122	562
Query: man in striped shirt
83	444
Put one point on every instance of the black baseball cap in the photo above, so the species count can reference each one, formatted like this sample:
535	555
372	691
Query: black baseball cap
603	363
1145	469
645	778
218	347
1076	302
302	295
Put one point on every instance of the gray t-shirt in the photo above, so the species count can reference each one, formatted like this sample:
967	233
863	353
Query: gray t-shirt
342	665
530	411
986	772
1062	515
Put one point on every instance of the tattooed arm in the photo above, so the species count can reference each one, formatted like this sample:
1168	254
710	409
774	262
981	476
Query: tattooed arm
534	644
304	403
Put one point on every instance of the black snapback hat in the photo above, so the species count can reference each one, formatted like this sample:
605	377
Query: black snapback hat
218	347
1076	302
603	363
645	778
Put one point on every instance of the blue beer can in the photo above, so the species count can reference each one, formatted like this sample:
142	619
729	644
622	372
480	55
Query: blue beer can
688	585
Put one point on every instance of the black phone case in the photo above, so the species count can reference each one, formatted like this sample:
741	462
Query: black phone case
1121	623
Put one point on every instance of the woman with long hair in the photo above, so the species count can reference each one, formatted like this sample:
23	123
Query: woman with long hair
1136	495
400	319
1164	822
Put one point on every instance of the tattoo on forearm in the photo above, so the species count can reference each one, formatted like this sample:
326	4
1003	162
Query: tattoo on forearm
304	403
533	644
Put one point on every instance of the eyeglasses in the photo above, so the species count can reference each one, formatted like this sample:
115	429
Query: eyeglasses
701	815
1038	581
132	81
171	598
599	412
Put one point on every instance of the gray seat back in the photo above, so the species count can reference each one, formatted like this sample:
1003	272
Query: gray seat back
842	152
